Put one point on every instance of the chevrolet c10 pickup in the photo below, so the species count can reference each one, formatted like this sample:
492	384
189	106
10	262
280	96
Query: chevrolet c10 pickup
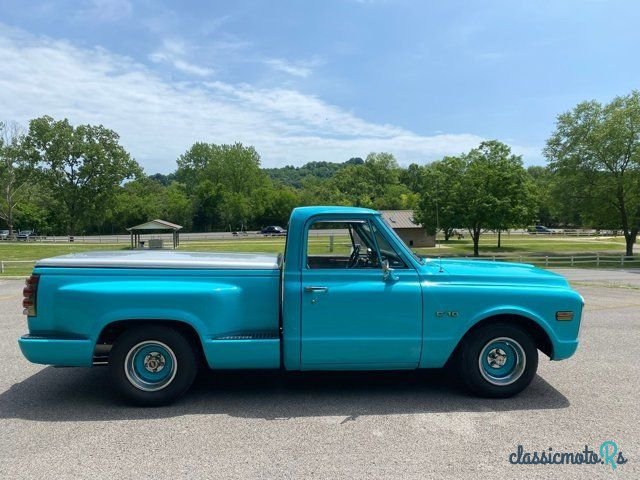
347	294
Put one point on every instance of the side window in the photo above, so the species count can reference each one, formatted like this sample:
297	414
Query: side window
341	245
387	252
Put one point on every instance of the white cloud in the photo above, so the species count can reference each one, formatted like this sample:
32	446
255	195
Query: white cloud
158	119
106	10
287	67
302	68
174	53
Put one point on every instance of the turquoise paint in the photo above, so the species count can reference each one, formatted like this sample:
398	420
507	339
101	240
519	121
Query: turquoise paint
83	301
362	322
249	354
58	351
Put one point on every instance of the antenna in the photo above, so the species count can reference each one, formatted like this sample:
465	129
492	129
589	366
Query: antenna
438	228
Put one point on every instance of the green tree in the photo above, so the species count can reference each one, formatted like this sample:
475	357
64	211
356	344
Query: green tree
595	151
275	205
411	177
316	191
365	184
439	206
488	188
81	166
136	202
553	207
222	181
295	176
496	192
178	208
15	173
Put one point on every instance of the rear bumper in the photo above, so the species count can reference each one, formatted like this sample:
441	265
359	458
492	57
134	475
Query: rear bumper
58	351
564	349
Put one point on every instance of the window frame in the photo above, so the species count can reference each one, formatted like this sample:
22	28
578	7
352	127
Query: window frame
349	220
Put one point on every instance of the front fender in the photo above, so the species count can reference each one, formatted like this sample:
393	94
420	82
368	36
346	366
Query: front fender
438	348
516	311
469	306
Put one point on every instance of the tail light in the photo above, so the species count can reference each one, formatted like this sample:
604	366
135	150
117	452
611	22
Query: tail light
29	292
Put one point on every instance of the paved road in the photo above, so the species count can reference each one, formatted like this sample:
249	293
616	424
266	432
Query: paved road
66	423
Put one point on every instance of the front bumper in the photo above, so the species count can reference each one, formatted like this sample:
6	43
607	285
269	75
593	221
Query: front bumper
57	351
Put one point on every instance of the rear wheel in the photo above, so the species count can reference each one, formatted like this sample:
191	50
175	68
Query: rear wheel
498	360
152	365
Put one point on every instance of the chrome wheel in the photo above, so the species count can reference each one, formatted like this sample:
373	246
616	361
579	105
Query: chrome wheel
150	366
502	361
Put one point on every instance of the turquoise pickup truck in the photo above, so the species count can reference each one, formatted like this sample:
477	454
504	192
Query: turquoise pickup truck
346	295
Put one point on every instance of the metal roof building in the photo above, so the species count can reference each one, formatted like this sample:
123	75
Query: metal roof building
407	228
154	225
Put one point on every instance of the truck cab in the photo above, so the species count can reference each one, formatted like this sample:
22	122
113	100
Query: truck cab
347	294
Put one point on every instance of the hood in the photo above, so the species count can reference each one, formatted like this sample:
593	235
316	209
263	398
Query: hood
498	272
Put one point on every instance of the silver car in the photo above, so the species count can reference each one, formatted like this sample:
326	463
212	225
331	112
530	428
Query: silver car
4	234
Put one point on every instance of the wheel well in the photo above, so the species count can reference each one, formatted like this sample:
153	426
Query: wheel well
540	337
113	330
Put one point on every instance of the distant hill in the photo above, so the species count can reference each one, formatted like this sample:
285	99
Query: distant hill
294	176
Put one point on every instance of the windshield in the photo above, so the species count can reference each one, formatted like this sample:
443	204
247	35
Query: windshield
399	240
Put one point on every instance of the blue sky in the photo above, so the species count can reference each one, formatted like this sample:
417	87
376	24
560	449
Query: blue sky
315	80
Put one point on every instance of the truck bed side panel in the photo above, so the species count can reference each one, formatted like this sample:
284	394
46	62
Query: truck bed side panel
227	308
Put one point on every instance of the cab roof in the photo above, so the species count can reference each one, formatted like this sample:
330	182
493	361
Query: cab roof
302	213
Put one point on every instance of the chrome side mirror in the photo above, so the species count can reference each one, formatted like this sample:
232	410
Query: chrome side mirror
387	271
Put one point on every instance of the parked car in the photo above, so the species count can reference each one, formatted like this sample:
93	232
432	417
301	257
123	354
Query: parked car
539	229
273	230
542	230
4	234
26	235
376	306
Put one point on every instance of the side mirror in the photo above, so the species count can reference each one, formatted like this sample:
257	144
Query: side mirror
387	272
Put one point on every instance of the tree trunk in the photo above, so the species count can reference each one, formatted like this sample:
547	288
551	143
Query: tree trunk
499	238
630	239
72	227
475	236
9	212
447	233
10	223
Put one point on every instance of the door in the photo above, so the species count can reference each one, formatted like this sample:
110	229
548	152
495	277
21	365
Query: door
353	315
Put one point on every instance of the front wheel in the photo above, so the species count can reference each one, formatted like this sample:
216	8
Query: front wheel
498	360
152	365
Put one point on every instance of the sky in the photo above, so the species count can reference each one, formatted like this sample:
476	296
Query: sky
316	80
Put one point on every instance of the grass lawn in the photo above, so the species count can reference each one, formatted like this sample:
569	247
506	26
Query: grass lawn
512	246
526	245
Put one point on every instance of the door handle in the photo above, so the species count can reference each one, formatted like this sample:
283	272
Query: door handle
315	289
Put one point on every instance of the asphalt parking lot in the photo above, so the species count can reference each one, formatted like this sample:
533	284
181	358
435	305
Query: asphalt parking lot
66	423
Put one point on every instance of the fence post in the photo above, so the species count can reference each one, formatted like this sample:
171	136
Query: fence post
494	258
546	261
520	259
572	260
597	259
1	266
331	243
622	261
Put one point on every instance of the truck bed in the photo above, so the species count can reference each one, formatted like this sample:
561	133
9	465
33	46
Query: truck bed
165	259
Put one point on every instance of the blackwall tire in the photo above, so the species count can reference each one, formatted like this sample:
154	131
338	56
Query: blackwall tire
497	360
152	365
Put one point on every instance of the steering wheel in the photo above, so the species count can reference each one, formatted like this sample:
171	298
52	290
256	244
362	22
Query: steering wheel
353	258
